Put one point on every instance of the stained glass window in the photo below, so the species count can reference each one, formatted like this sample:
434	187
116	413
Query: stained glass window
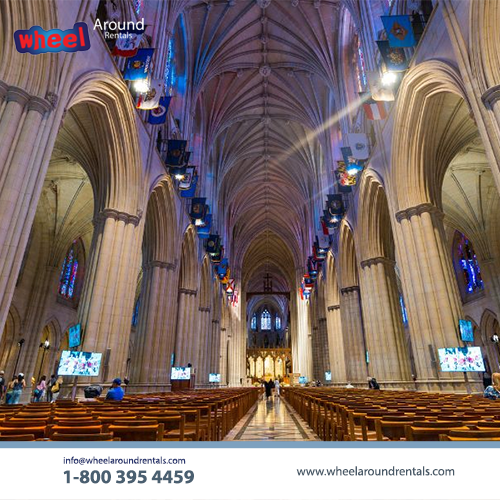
253	323
265	320
138	6
69	272
277	324
135	316
360	66
404	313
469	266
170	69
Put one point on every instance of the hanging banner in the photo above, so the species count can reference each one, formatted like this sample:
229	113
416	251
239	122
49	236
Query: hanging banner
128	43
151	98
399	31
158	116
394	59
138	66
359	145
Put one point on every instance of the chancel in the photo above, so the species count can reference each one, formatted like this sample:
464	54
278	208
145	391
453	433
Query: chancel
233	192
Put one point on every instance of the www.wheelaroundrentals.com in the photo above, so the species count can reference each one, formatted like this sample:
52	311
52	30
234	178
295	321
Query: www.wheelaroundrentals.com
358	471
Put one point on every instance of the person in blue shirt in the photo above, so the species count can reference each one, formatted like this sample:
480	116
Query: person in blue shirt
116	392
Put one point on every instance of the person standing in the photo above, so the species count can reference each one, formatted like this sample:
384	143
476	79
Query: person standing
277	387
40	389
56	389
493	391
17	389
52	382
269	387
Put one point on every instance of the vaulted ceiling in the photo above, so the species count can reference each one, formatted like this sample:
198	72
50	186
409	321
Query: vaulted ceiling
264	74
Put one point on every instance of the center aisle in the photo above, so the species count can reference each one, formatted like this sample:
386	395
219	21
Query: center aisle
272	419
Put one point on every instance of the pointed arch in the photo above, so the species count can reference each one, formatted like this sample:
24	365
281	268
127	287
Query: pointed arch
432	124
189	260
348	262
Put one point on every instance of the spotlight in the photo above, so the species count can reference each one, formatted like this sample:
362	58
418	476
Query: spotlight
141	86
198	222
179	177
389	78
352	171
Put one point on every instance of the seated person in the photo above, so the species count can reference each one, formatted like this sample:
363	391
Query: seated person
493	391
116	392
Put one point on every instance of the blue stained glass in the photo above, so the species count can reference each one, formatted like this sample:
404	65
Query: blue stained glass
278	323
253	324
404	313
69	271
470	267
135	316
170	70
138	6
361	73
265	320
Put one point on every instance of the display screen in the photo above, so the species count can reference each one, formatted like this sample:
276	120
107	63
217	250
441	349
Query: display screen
466	330
461	359
181	373
78	363
74	336
302	380
214	377
328	376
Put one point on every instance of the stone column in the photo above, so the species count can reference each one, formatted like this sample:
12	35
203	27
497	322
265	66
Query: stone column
223	357
24	137
354	342
185	321
384	330
431	293
156	328
324	347
336	346
202	343
107	301
215	347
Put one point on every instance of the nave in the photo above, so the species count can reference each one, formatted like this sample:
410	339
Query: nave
310	202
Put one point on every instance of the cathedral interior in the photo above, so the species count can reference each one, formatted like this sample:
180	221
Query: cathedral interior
352	206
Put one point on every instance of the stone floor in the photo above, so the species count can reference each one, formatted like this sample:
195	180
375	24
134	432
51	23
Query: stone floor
272	419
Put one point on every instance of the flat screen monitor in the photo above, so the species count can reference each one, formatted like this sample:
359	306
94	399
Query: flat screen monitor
214	378
328	376
74	336
302	380
181	373
461	359
466	330
79	363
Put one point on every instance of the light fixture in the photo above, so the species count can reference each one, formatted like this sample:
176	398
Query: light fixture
141	86
352	171
199	222
179	177
45	345
388	78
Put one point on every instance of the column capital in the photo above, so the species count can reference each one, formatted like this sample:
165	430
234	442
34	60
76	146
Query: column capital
215	321
491	96
349	289
408	213
41	105
321	320
377	260
158	263
335	307
17	95
204	309
187	291
108	213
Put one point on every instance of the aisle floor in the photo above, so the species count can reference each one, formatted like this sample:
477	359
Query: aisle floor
272	419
